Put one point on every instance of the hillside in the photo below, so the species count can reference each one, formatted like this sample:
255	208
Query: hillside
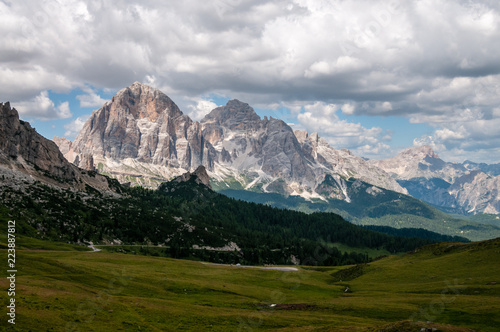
186	219
381	208
449	287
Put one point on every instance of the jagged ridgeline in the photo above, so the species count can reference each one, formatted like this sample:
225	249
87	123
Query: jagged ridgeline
141	136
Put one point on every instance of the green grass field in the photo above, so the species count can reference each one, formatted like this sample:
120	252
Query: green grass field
454	286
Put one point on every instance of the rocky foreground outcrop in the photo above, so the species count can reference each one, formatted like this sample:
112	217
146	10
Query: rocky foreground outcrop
23	150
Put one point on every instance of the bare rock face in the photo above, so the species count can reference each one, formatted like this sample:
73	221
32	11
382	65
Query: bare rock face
140	127
420	162
63	143
265	150
477	192
24	150
200	176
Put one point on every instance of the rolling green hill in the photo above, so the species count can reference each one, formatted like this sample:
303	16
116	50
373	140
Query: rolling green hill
448	286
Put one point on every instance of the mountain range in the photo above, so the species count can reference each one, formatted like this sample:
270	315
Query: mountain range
467	188
54	198
142	137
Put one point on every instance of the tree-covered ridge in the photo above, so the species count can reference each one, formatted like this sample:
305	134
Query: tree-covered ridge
416	232
387	208
189	220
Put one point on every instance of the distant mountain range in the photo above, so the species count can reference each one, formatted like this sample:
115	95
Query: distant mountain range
142	137
466	188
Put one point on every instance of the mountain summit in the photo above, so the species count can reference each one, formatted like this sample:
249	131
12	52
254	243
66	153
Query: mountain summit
235	115
141	130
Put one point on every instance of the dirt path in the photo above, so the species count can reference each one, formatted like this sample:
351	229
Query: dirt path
276	268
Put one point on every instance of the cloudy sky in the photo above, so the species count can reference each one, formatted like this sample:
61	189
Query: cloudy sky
370	76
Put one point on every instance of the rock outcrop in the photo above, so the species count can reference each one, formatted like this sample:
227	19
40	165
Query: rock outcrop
22	149
199	176
477	192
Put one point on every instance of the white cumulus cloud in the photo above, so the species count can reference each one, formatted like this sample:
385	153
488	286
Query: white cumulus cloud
42	107
422	60
74	127
323	118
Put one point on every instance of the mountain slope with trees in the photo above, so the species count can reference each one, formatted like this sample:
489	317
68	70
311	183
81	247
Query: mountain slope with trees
189	220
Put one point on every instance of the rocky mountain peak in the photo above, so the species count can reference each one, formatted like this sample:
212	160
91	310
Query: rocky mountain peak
419	152
144	101
140	127
234	115
199	176
7	111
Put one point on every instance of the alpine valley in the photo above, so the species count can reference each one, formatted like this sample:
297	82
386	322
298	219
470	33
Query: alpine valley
52	199
141	137
169	253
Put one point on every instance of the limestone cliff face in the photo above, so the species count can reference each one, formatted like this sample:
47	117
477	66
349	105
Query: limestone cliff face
143	124
23	149
477	192
248	143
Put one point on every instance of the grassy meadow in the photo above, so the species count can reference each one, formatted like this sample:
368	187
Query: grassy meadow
449	287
